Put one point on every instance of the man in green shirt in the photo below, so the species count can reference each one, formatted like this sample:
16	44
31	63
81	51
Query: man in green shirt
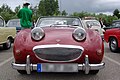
25	15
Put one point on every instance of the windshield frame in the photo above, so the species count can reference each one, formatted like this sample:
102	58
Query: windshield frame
38	21
3	22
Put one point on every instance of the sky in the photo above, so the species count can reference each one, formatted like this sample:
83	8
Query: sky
70	6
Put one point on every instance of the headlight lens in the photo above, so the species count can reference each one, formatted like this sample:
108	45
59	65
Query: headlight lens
37	33
79	34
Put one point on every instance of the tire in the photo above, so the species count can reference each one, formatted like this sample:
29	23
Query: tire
22	71
113	45
7	45
93	72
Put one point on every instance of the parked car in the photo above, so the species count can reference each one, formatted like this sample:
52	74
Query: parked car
14	23
112	36
95	25
115	24
7	34
58	44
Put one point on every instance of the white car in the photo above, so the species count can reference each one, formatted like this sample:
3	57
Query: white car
14	23
95	25
7	34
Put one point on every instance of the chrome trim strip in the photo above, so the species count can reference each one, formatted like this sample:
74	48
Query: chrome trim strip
58	45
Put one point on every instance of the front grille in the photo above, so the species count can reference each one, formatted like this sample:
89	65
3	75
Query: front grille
58	53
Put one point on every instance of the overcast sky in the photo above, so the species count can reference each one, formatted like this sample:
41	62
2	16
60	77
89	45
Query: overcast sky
95	6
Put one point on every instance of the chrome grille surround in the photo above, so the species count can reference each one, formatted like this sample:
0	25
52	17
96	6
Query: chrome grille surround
58	52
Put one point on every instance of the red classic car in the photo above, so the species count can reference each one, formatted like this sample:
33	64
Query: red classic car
113	37
58	44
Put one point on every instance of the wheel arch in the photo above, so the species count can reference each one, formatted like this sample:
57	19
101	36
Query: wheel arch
111	37
11	38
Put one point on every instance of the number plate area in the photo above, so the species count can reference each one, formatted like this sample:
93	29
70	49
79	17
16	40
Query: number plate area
48	67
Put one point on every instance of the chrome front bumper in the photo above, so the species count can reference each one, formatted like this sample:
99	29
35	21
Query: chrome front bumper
85	66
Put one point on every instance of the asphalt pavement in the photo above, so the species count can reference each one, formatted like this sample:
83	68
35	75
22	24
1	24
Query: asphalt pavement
110	72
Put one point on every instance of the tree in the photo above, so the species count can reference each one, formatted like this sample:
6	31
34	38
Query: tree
17	9
57	12
6	8
48	7
64	13
83	14
116	13
41	8
35	12
6	12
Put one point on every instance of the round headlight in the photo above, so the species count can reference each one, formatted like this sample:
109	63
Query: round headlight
37	33
79	34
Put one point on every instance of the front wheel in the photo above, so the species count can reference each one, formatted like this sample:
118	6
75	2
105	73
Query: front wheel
113	44
7	45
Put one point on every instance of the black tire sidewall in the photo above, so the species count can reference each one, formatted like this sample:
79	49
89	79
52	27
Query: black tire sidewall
22	71
93	72
5	45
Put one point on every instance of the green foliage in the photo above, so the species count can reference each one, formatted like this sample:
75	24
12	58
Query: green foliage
64	13
35	14
6	8
6	12
17	9
51	8
107	19
116	13
48	7
41	8
82	14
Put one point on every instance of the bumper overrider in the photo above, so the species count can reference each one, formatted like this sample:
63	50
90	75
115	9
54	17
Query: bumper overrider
58	67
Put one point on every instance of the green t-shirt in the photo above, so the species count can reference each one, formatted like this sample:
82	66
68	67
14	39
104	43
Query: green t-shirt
25	16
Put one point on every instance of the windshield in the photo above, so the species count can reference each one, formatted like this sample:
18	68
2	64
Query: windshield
1	23
14	23
93	23
43	22
115	24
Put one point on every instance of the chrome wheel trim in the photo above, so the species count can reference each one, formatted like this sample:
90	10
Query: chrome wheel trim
113	44
8	43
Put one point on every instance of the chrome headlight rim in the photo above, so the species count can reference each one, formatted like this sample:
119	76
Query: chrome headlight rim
39	32
81	32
